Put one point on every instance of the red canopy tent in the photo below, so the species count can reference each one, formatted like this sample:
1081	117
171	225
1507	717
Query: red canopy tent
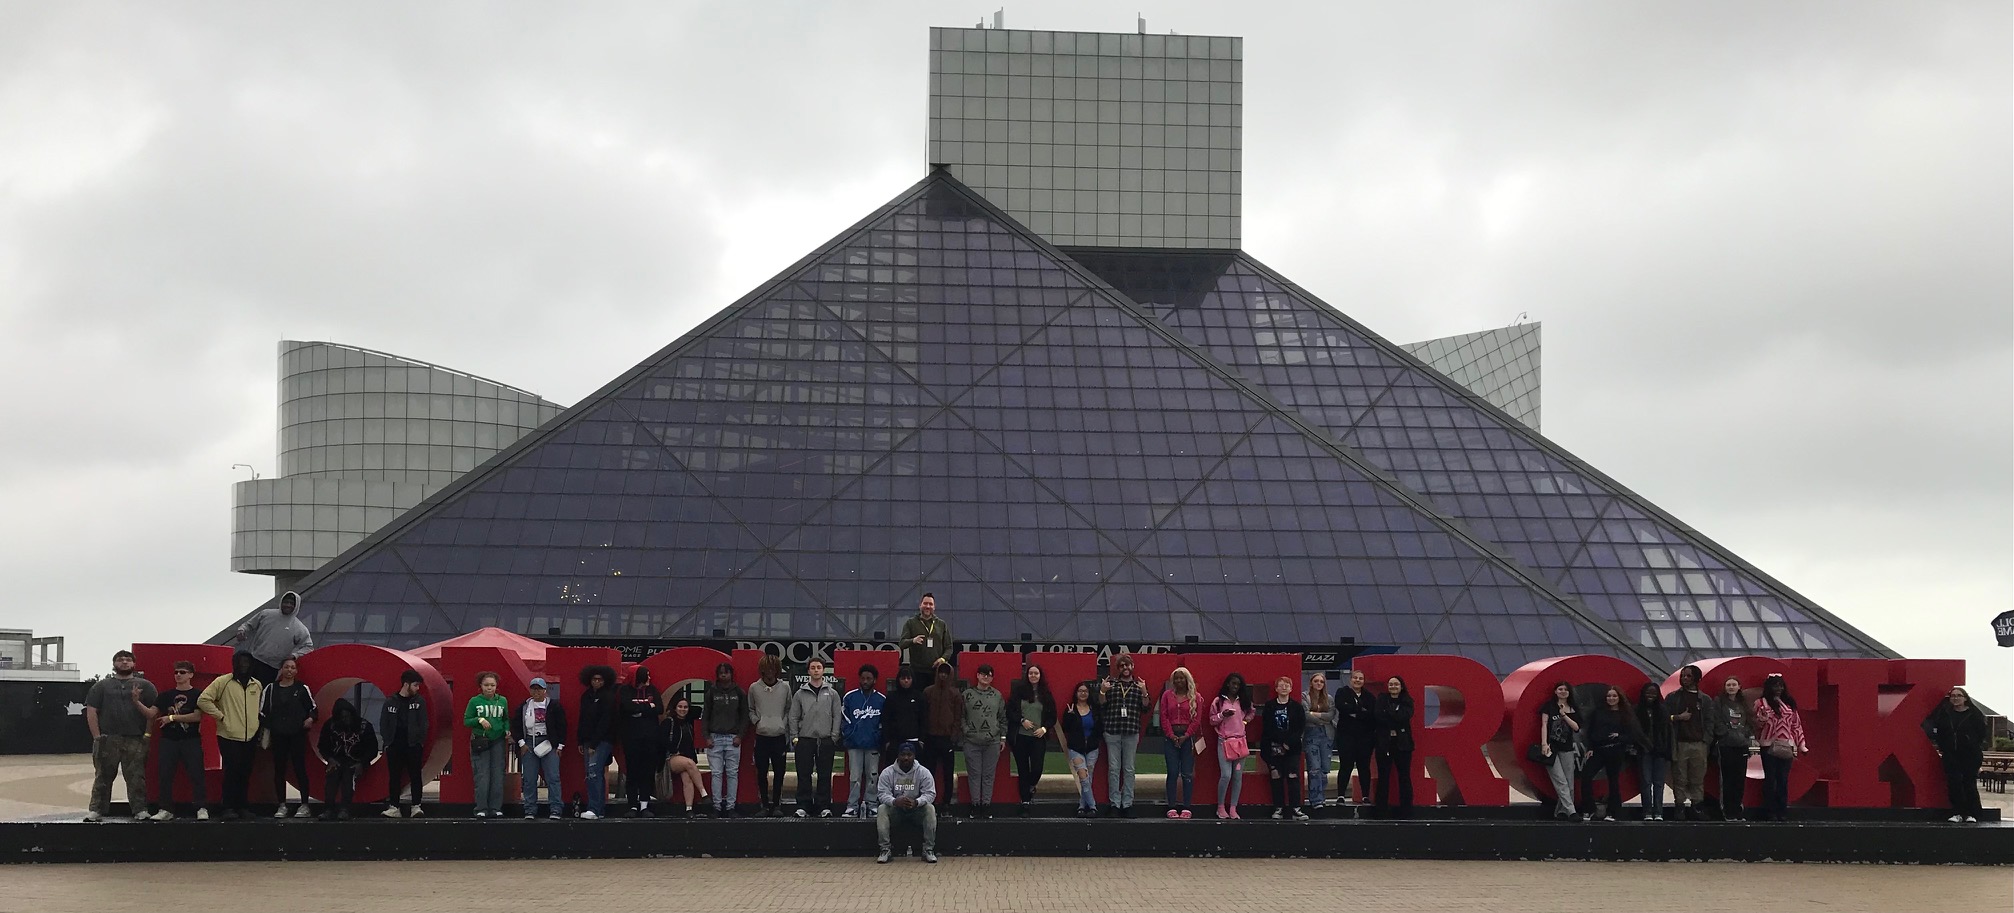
527	649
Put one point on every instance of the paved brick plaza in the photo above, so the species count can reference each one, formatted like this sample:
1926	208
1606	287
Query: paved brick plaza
1077	885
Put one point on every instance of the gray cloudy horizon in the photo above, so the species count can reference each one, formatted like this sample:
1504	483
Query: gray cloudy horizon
1772	245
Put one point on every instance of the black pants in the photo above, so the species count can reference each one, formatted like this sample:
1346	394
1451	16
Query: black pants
1286	779
403	762
769	755
237	772
185	755
1030	754
641	763
1775	786
1607	762
339	784
264	673
1733	764
1961	781
814	773
1353	756
939	755
1396	764
289	750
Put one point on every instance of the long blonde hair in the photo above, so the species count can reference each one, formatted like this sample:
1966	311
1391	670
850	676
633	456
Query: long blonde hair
1184	683
1318	698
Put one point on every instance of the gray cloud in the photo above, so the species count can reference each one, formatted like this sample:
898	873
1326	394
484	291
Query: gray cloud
1770	243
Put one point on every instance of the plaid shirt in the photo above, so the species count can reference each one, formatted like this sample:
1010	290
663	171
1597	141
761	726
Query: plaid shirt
1125	707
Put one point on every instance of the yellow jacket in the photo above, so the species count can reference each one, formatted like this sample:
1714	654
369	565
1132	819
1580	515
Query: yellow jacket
235	707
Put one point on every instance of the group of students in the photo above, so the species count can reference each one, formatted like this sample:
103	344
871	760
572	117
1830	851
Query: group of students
1673	738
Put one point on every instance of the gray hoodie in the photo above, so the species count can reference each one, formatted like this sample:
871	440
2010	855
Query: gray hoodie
769	707
272	636
816	714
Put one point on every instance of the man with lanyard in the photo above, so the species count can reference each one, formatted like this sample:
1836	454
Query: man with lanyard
1124	700
925	639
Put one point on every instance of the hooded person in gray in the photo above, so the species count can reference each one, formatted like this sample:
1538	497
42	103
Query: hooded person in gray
274	636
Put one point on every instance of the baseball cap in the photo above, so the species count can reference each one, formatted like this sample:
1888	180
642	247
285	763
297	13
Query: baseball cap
538	683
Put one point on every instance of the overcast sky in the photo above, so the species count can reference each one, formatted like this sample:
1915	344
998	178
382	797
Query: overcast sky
1770	243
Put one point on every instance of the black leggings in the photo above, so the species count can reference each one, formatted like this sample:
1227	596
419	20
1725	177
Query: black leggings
1355	757
1961	781
1607	762
289	749
404	765
769	753
642	762
1030	754
1396	765
1733	780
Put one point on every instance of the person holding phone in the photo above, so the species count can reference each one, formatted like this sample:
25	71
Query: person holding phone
1560	745
1230	713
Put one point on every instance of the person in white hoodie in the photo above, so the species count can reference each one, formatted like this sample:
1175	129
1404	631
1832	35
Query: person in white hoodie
906	790
769	712
815	721
274	636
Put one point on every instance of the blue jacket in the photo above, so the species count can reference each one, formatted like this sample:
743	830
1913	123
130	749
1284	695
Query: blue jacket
860	718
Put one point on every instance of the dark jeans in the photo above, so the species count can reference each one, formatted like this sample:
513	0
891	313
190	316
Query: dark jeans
938	755
185	755
641	762
339	785
1775	786
1607	762
1285	774
237	758
814	773
769	755
264	673
1353	756
1181	761
289	749
1961	781
1397	764
1030	754
1733	780
404	764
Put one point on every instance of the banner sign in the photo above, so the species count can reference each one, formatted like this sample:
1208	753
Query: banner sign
795	653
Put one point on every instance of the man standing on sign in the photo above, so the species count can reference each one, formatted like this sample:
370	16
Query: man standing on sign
274	636
1124	701
925	639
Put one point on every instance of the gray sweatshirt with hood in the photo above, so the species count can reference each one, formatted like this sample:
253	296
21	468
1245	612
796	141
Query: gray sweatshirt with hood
274	635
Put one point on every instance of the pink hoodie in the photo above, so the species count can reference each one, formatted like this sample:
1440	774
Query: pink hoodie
1233	725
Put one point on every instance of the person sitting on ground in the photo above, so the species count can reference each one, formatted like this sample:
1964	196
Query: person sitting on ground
906	792
347	747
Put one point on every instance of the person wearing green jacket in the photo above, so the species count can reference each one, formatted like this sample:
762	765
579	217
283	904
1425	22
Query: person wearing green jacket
926	639
983	729
488	721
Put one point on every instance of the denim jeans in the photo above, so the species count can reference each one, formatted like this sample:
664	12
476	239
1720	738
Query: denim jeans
1121	752
1181	758
1084	767
489	766
723	757
1230	778
1318	746
1652	770
1775	786
597	777
531	767
863	767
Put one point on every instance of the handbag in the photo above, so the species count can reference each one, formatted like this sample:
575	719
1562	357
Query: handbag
1783	749
1535	753
1196	744
1236	748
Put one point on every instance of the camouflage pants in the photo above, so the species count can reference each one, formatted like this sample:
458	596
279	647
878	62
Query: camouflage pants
119	755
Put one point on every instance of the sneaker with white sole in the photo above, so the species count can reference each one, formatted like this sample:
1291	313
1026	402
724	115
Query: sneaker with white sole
884	857
1971	820
825	813
280	812
164	815
589	815
202	814
93	817
142	816
417	812
303	812
802	813
930	857
1956	819
392	811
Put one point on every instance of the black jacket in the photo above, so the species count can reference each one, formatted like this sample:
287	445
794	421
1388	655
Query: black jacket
1281	728
1609	730
1356	720
347	738
1953	732
597	717
680	737
1395	723
902	715
411	709
1015	696
1073	730
639	709
1653	725
555	723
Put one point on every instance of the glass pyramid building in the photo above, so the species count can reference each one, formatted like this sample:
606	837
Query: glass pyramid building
1092	444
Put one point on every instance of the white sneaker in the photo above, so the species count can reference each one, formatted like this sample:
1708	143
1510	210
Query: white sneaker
801	813
1277	815
1971	820
1956	819
884	857
281	812
589	815
93	817
164	815
392	811
930	857
825	813
303	812
417	812
202	814
141	816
